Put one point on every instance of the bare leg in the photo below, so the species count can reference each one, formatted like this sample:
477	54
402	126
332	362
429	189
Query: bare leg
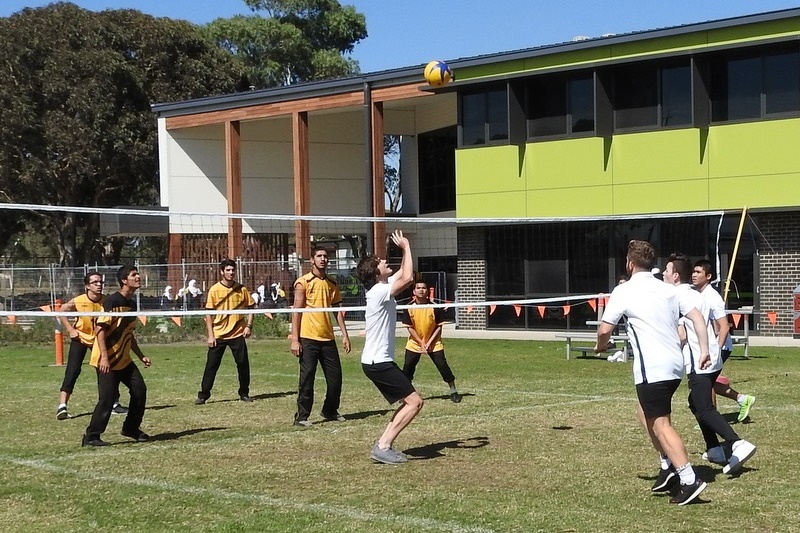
412	404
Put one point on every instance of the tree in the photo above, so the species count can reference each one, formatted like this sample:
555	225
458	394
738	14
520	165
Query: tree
75	121
299	40
391	173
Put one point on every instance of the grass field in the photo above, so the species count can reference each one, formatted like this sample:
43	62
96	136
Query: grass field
539	443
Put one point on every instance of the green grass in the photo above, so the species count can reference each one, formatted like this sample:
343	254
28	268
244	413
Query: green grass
538	444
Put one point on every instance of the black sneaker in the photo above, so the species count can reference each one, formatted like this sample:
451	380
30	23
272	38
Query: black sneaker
119	409
245	398
86	441
335	417
138	435
666	480
200	401
62	413
455	397
687	493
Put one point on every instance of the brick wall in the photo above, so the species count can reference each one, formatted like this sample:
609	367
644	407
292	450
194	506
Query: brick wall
779	265
471	277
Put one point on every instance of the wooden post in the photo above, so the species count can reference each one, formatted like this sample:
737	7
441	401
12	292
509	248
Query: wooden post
302	194
378	195
233	182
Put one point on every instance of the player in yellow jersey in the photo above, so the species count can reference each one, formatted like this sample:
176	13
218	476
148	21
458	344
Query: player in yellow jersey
312	340
111	357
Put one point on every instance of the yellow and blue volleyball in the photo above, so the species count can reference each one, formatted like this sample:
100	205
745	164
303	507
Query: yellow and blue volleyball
437	73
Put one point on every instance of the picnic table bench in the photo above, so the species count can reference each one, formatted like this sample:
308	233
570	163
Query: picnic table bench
590	337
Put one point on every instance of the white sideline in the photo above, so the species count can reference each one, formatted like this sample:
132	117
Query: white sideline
279	503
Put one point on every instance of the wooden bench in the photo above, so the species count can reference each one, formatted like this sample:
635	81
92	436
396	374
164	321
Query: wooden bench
588	336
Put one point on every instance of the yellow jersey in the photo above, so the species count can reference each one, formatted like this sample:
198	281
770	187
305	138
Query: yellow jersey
222	298
320	293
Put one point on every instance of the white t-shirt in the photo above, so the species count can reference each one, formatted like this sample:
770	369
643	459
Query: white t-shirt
381	321
716	307
691	350
653	310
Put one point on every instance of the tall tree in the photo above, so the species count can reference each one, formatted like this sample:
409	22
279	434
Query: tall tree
75	120
298	40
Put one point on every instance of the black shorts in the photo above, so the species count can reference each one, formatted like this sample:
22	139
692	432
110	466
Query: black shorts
656	398
390	380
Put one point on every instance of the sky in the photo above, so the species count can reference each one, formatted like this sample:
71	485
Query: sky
404	33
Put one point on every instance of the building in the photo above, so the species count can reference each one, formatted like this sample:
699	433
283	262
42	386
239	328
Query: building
654	134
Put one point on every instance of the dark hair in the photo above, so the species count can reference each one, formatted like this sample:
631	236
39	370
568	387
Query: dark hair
367	270
89	275
642	254
706	265
317	247
225	263
124	271
682	265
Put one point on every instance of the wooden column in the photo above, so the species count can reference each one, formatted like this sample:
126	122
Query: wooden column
302	186
378	195
233	182
174	256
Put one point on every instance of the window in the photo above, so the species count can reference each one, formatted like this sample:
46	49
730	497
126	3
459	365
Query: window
755	85
559	105
437	170
652	96
484	117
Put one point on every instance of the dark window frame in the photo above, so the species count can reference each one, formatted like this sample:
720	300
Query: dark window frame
488	111
657	83
564	81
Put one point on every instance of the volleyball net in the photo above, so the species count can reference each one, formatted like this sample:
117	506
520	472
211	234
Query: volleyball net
549	273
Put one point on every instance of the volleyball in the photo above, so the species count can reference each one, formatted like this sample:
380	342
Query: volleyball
437	73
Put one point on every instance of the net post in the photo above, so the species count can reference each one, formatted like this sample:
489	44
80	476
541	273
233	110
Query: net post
58	337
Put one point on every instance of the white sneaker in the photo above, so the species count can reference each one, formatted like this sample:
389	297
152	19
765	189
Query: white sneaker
715	455
742	452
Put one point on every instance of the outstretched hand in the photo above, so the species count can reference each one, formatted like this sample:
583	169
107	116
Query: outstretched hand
399	239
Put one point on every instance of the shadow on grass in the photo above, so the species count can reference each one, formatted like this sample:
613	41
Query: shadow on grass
152	408
367	414
185	433
264	396
432	451
447	396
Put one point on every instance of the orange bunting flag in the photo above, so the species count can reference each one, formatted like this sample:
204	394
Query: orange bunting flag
447	302
518	309
269	315
45	308
491	309
773	317
177	320
566	309
143	320
469	309
593	304
604	301
12	319
736	319
541	309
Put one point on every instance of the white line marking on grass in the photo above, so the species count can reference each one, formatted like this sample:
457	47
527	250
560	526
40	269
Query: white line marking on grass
279	503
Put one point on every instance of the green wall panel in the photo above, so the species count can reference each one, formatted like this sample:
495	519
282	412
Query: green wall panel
491	205
553	164
489	169
660	197
658	156
754	148
575	201
777	190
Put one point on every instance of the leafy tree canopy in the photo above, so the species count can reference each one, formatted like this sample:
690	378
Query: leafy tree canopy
75	121
299	40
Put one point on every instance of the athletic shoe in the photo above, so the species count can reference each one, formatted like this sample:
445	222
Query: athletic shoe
389	456
302	423
742	452
62	414
86	441
744	407
715	455
336	417
119	409
245	398
455	397
138	435
687	493
666	480
200	401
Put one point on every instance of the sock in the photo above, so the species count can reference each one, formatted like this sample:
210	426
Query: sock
665	462
740	399
686	473
62	405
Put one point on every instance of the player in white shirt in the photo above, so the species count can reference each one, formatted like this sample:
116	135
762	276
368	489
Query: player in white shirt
678	272
377	359
702	275
653	309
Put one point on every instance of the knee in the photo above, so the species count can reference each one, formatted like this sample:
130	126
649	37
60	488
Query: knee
415	401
